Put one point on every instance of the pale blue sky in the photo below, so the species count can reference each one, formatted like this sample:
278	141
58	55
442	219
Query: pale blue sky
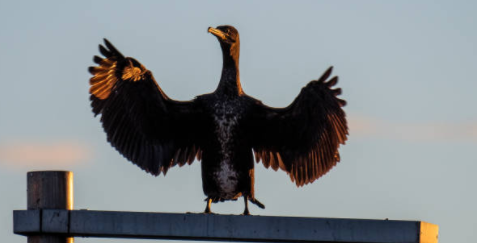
407	70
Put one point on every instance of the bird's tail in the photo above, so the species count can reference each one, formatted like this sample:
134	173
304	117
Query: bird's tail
256	202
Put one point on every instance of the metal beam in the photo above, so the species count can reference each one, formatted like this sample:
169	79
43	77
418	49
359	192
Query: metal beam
85	223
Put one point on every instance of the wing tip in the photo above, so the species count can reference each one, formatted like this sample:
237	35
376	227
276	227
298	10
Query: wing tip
325	75
105	52
92	70
97	59
112	49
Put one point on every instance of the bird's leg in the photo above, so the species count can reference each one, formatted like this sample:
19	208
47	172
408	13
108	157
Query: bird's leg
207	208
246	212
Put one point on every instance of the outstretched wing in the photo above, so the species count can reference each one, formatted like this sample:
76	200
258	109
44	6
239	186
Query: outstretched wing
303	138
141	122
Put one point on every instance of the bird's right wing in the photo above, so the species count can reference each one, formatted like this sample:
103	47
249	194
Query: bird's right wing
141	122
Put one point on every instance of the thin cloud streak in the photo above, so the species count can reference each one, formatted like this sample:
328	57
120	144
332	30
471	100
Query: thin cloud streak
369	127
41	155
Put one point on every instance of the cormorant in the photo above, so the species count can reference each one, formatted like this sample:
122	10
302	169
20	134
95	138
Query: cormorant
221	128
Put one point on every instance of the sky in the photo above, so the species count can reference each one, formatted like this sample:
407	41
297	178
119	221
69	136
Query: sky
407	70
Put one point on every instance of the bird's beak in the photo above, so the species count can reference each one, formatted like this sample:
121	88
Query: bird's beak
217	33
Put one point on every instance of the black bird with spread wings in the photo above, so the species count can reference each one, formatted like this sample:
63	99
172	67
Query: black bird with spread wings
221	128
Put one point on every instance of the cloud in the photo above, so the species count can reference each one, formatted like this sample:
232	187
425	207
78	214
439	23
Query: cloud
411	131
57	155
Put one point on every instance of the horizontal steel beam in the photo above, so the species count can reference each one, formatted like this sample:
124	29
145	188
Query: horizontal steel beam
85	223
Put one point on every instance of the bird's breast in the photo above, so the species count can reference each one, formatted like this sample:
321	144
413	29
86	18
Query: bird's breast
226	117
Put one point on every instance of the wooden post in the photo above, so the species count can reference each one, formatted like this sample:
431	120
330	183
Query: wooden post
50	190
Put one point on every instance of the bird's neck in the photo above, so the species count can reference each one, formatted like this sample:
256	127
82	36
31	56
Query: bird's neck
230	79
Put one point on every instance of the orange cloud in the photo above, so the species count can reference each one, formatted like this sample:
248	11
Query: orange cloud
38	155
430	131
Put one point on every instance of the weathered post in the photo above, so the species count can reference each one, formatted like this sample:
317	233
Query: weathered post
50	190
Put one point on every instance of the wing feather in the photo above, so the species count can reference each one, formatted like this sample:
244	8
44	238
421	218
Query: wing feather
141	122
303	138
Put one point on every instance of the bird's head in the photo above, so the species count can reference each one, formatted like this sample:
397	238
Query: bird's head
229	39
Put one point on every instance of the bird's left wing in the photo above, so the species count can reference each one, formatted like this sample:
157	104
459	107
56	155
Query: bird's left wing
303	138
141	122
